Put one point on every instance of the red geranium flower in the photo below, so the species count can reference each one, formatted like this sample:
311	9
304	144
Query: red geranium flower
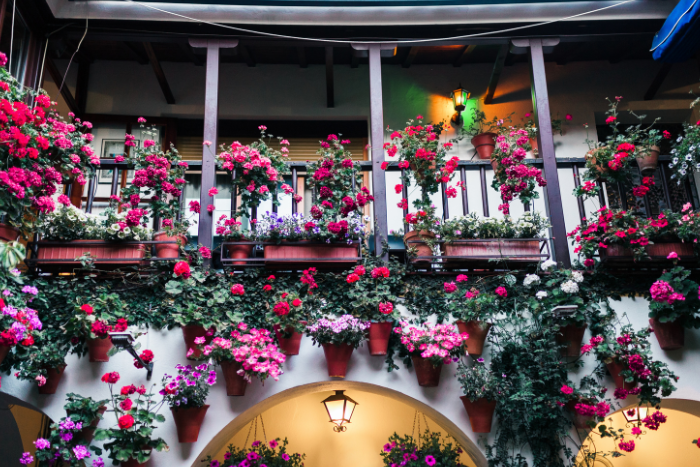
182	269
126	422
126	405
86	308
110	378
237	289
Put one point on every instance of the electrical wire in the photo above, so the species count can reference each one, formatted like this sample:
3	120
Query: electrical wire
12	34
63	81
337	41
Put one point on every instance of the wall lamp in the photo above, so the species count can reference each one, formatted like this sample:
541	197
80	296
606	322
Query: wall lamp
459	101
125	341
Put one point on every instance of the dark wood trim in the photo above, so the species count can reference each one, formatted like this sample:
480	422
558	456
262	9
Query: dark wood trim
496	73
190	54
247	55
301	55
137	52
412	52
658	81
57	77
81	86
160	74
464	54
3	9
330	95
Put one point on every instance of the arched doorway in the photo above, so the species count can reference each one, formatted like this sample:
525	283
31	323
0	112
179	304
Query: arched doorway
671	445
20	424
298	414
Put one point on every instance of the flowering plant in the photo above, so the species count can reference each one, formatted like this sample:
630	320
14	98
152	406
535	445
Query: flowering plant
588	400
63	443
298	227
272	454
230	229
530	126
427	450
257	168
529	225
480	382
253	348
343	330
132	437
95	320
19	324
513	177
159	178
633	350
190	387
479	125
468	303
439	343
287	311
334	177
39	151
674	298
68	223
373	289
685	155
560	287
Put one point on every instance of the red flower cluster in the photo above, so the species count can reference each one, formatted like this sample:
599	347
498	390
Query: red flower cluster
110	378
237	289
147	356
380	272
182	269
308	279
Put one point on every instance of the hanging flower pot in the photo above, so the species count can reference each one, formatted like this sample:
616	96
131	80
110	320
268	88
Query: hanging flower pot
4	350
242	251
427	374
671	335
572	336
235	383
580	421
337	358
8	233
188	421
98	348
168	250
88	432
53	377
478	331
480	413
648	160
615	367
485	144
190	333
379	337
289	345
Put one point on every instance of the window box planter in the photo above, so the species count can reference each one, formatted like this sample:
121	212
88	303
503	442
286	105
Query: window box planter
188	421
8	233
427	374
480	413
60	256
305	255
482	252
671	336
657	252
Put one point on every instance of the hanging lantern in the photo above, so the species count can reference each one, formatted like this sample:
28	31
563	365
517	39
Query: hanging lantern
460	96
340	409
635	414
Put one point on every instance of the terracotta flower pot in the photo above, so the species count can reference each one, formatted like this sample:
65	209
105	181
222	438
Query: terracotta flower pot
615	367
480	413
591	157
98	348
4	350
168	250
580	421
572	336
235	383
657	252
422	247
88	432
671	336
337	359
648	160
190	333
485	144
239	252
478	331
427	374
53	377
62	257
289	345
303	255
134	463
188	421
379	338
535	150
483	253
8	233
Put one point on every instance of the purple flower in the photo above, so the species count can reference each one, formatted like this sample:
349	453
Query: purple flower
26	459
285	456
42	443
273	444
387	447
81	452
66	436
98	462
30	290
7	293
18	329
252	456
430	460
214	463
255	444
9	310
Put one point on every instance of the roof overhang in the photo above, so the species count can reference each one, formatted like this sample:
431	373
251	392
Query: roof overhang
360	15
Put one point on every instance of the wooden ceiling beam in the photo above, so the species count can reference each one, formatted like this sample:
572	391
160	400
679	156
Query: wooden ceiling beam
57	78
137	52
247	55
412	53
464	54
658	81
160	74
496	73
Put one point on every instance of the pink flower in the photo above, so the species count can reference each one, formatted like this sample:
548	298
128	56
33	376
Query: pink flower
569	117
462	278
449	287
386	308
672	255
627	446
237	289
213	191
194	206
141	120
41	380
210	208
206	143
610	119
567	389
501	291
64	200
205	252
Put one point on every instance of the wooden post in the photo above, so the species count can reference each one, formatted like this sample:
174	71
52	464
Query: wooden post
545	141
211	122
376	112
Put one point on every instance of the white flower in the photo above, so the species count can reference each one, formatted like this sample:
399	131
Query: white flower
548	264
541	294
570	287
531	279
577	276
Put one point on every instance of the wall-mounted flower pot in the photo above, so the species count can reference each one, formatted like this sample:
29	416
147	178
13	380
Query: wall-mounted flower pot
188	421
657	252
190	333
235	383
88	432
572	336
240	251
671	335
478	331
337	359
168	250
135	463
535	150
485	253
615	367
4	350
98	349
480	413
291	255
591	157
53	377
418	173
379	337
8	233
427	374
289	345
110	255
580	421
418	242
485	144
648	160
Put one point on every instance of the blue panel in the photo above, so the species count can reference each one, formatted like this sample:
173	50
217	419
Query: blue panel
679	37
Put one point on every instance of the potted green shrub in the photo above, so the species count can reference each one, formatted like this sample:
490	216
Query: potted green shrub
482	389
92	322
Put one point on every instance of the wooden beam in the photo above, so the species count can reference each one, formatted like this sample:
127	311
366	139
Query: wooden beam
464	54
81	86
137	52
496	73
301	54
330	98
3	8
247	55
160	74
658	81
412	52
189	53
57	77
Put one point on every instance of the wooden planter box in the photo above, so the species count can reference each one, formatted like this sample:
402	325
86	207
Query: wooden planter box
52	256
657	252
483	253
305	255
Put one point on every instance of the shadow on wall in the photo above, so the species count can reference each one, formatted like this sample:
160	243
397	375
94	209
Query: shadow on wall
20	425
